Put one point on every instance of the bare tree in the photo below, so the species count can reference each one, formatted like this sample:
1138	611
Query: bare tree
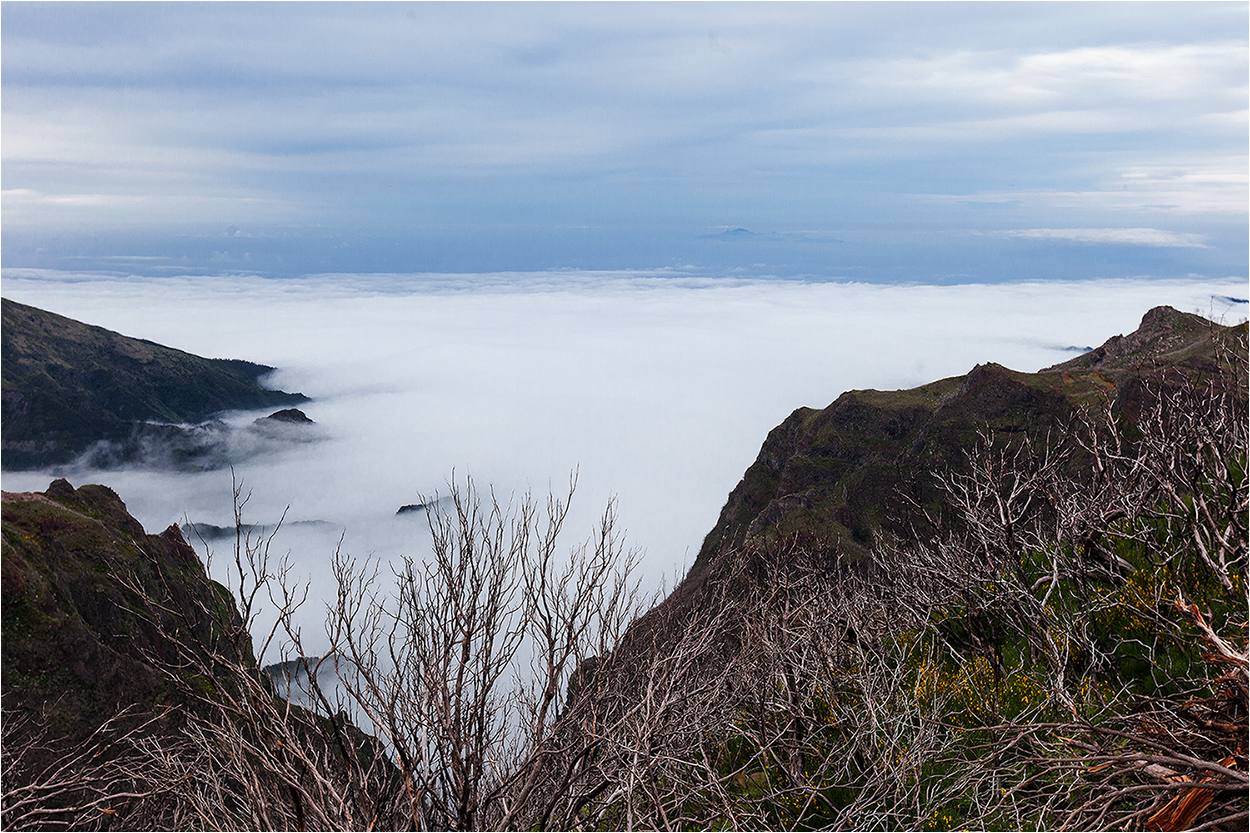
50	787
463	670
1103	575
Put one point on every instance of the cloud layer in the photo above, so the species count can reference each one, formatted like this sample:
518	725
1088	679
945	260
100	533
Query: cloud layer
656	388
1121	236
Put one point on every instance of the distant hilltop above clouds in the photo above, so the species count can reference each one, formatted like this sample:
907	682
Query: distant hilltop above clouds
69	386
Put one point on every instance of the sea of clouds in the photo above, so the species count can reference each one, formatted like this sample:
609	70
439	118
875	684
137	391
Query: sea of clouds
656	388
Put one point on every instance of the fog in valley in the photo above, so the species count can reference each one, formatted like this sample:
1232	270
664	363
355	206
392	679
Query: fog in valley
655	388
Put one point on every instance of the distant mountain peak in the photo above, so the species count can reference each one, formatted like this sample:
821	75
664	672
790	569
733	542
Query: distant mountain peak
731	234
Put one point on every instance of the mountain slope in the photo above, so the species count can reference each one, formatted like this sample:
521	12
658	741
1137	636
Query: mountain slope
80	641
67	385
835	476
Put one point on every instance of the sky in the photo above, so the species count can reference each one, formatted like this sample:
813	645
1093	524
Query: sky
880	142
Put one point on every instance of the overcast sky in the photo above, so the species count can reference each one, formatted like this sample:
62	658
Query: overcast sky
881	141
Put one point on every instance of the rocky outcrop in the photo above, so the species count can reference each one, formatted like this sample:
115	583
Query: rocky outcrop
94	609
287	416
106	625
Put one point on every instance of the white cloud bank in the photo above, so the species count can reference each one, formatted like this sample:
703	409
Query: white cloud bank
659	389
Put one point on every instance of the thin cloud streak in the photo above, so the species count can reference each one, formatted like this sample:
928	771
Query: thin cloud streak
1121	236
1215	187
1187	74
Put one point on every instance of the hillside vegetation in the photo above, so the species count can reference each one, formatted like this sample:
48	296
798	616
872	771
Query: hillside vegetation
67	385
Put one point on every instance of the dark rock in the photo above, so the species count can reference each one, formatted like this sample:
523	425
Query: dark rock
212	532
291	416
291	668
429	505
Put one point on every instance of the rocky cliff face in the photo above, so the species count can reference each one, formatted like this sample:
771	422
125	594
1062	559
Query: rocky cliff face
67	385
92	604
834	477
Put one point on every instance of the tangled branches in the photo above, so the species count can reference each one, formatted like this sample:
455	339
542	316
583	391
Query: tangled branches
1105	574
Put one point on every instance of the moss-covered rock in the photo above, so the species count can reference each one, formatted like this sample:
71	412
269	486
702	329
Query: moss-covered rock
92	604
104	624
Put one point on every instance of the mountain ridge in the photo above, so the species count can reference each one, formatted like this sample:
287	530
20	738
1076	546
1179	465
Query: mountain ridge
67	385
838	475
